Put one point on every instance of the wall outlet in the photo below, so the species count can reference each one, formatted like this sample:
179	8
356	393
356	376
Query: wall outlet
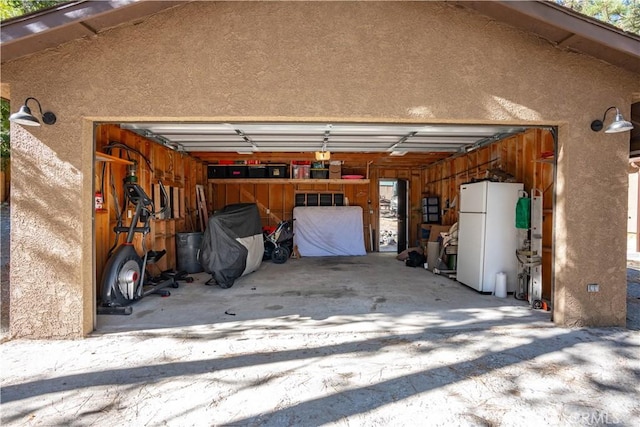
593	287
268	211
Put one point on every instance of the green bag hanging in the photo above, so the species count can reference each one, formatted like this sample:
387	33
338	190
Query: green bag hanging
523	212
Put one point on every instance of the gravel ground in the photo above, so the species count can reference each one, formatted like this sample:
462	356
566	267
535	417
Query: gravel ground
328	372
633	295
5	228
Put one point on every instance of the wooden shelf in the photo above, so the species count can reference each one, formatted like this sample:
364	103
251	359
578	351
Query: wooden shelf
285	181
103	157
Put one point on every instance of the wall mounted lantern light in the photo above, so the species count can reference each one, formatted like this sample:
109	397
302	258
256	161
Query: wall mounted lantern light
24	116
619	124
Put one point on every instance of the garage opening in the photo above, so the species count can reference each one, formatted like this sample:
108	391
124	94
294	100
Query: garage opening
278	167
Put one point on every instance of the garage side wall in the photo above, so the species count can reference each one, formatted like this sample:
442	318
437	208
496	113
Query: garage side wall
527	158
418	61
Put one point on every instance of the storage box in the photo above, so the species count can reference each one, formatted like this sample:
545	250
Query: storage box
431	218
335	171
430	201
431	210
277	171
431	232
319	173
326	199
312	199
216	171
257	171
301	171
236	171
338	199
301	199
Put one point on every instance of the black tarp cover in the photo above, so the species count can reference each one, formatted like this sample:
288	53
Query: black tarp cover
232	245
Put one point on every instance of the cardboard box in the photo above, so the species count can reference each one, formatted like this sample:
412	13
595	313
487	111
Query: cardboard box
335	171
431	232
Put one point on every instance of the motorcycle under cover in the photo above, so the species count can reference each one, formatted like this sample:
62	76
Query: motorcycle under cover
232	244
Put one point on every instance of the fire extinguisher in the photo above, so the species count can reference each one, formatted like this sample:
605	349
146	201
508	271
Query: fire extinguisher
99	200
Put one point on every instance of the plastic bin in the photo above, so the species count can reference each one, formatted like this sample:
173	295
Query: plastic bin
301	171
257	171
319	173
236	171
277	171
216	171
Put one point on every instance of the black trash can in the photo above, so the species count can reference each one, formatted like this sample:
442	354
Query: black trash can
188	248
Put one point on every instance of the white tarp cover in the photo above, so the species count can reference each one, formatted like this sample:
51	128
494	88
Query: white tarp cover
255	244
328	230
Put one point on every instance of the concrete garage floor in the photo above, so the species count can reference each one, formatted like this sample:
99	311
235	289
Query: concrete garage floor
326	341
326	290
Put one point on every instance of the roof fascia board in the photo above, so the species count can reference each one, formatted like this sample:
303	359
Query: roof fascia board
68	13
578	24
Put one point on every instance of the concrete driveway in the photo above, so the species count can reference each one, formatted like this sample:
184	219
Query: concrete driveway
318	341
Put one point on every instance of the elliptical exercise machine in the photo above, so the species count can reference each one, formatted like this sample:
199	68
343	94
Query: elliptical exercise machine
123	280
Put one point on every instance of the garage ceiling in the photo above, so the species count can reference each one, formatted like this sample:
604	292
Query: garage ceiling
253	137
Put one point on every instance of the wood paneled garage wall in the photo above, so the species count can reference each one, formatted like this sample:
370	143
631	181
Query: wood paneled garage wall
277	200
178	172
527	158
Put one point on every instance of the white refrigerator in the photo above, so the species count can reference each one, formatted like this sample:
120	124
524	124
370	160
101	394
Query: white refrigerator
487	234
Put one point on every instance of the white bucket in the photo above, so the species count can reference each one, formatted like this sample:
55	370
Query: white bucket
500	289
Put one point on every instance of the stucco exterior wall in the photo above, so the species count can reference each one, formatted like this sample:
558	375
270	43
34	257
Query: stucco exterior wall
424	61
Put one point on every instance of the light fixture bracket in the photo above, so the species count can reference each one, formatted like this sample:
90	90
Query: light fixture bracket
597	125
48	118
